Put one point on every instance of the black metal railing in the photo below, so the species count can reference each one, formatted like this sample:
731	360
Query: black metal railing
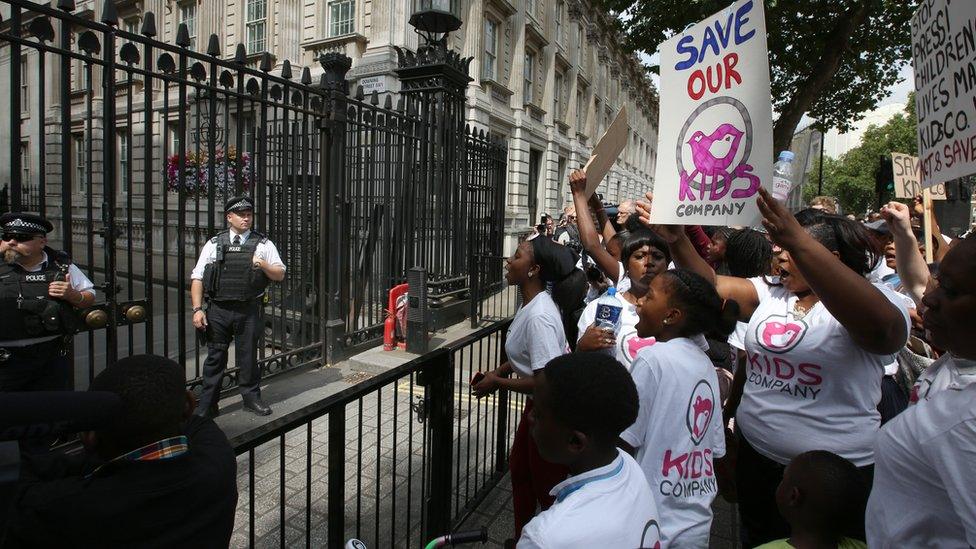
352	190
399	458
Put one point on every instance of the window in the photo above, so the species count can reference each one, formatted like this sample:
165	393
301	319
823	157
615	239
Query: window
256	18
25	165
24	84
530	7
123	137
579	36
580	111
342	14
175	139
188	15
559	22
529	76
535	167
491	47
78	140
129	25
557	93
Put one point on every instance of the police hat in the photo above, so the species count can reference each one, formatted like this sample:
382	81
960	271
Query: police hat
25	223
239	204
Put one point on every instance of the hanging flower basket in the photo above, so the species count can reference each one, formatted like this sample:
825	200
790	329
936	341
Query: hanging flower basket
196	182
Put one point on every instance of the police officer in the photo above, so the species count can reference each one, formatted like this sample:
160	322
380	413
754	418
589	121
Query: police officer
40	291
232	273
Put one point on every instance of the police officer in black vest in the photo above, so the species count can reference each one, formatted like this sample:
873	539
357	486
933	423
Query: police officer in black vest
40	292
232	273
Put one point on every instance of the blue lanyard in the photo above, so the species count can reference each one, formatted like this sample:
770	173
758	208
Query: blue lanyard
569	489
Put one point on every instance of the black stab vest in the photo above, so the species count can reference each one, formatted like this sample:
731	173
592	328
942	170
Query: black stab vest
232	276
26	311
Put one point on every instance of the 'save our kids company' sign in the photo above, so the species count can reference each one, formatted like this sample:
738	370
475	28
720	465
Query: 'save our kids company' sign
715	144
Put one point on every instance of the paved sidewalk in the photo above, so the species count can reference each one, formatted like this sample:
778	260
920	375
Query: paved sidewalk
495	513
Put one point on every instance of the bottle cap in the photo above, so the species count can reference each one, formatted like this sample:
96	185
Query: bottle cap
786	155
611	291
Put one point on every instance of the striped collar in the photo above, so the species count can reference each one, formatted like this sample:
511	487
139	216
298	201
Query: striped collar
165	449
574	483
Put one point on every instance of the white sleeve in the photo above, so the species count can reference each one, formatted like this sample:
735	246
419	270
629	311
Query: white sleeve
269	252
737	337
79	281
646	380
207	256
532	536
544	341
763	290
899	302
952	456
586	318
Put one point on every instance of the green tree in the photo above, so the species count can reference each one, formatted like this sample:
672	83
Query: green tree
851	177
831	59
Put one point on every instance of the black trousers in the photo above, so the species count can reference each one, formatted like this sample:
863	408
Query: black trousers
242	323
41	367
893	400
757	477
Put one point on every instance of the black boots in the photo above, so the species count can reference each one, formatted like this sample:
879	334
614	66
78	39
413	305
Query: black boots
254	404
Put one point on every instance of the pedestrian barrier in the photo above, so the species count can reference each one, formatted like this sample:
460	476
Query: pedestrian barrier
395	460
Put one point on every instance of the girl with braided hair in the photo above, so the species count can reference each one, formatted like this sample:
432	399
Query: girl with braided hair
818	339
678	433
552	291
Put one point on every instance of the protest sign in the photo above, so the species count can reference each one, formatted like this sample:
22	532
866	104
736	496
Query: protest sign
907	183
944	59
716	139
606	151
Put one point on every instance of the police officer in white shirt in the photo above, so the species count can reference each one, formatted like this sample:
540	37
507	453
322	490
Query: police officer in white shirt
40	291
924	492
583	401
232	273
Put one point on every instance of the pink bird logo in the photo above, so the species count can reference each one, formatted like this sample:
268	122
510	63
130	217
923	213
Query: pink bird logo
698	415
714	153
778	334
634	344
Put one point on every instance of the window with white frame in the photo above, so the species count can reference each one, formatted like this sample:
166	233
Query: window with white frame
25	164
123	137
175	139
128	25
528	74
256	15
490	60
188	16
24	84
579	36
560	7
342	16
78	141
530	7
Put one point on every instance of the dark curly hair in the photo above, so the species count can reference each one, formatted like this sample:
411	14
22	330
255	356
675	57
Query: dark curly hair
153	393
593	393
704	311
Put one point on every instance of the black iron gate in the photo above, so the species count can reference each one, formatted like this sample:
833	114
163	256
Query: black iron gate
146	139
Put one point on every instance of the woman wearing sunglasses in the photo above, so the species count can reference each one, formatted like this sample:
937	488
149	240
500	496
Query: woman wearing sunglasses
39	291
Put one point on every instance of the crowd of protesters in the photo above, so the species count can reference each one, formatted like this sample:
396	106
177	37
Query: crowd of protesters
815	370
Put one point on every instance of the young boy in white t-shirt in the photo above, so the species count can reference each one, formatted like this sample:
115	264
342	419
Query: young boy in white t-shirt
582	403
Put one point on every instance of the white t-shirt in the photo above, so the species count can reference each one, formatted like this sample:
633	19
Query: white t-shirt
880	271
536	335
610	506
924	492
628	343
948	371
738	336
265	250
677	434
808	385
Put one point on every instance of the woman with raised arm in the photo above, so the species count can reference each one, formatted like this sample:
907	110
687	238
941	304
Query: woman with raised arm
552	290
817	342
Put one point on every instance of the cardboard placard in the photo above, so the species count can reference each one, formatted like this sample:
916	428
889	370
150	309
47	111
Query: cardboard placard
606	152
907	182
715	146
945	89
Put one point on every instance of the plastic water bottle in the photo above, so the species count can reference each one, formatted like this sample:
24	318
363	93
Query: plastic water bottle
783	176
608	309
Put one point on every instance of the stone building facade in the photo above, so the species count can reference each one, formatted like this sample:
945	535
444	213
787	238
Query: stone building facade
548	78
